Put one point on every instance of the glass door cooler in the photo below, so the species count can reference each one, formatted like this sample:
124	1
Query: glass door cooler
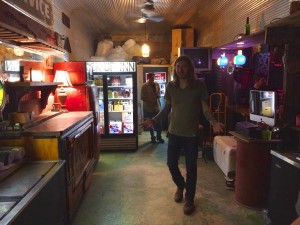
116	83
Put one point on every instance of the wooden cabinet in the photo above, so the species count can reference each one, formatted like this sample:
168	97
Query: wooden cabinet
182	38
68	136
284	194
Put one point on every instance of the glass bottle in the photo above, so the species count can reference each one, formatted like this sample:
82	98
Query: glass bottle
247	27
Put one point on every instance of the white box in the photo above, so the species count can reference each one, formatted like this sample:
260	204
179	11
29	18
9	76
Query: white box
225	154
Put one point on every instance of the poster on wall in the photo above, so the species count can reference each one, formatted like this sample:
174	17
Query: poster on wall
160	77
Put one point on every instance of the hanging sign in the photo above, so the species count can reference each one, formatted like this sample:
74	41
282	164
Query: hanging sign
39	9
111	67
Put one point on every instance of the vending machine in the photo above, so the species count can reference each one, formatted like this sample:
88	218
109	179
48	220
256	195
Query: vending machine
117	90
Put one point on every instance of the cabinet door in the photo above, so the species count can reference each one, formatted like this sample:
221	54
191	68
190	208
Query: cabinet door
284	190
79	155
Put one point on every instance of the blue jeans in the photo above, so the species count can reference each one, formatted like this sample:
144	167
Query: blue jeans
156	127
190	147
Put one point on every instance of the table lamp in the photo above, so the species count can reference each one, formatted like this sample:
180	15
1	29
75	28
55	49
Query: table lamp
63	80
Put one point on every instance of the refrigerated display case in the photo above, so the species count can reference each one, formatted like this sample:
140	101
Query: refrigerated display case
117	94
162	76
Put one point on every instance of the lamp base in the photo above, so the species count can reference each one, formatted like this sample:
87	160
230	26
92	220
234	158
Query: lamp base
64	108
62	96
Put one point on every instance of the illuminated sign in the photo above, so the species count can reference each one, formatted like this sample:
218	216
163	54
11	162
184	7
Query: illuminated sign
12	65
111	67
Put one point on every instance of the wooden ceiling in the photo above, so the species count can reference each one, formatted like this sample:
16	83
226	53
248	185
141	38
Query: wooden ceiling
119	16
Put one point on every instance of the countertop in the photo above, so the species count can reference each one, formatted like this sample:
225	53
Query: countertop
49	123
58	124
252	140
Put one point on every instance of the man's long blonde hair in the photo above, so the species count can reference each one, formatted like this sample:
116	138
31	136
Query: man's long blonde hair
191	73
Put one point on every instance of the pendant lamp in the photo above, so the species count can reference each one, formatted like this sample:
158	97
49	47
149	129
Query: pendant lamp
239	59
145	47
222	61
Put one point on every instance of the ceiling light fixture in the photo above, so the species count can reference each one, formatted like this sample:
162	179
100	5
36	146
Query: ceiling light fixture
239	59
18	51
145	47
222	61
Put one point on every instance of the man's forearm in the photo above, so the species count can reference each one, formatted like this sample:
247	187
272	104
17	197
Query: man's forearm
209	117
164	111
208	114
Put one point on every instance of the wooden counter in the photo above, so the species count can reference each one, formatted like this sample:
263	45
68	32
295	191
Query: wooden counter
59	125
68	136
253	160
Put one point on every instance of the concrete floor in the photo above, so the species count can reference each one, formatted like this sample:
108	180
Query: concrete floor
135	188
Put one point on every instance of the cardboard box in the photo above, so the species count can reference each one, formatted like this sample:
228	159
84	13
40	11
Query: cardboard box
128	127
115	127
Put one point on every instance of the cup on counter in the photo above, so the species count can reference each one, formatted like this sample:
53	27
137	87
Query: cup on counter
266	135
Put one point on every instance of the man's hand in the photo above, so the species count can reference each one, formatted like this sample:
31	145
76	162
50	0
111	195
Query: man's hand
218	127
147	123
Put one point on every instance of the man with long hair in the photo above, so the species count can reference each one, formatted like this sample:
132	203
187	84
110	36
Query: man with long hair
186	95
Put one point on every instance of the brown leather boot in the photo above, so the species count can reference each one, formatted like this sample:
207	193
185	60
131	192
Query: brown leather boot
189	207
178	195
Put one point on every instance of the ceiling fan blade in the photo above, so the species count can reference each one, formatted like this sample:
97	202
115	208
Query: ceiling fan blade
149	13
156	19
151	3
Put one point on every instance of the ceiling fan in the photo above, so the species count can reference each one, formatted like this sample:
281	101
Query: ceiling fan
148	12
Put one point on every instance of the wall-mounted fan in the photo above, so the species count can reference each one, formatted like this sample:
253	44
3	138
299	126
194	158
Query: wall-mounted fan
148	12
